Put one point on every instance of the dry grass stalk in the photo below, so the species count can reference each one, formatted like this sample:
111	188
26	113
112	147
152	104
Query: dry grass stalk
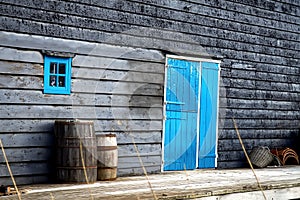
84	169
144	169
248	159
9	170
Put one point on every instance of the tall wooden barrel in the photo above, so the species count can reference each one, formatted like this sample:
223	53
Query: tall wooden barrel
107	151
76	151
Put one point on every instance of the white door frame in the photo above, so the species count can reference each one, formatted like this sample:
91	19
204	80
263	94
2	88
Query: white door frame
198	123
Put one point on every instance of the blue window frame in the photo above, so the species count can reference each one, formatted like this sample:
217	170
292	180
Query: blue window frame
57	75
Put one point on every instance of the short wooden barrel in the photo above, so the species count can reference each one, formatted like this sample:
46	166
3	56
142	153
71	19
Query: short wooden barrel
76	151
107	151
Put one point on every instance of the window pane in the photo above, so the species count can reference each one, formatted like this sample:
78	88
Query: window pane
62	68
52	81
53	67
57	75
61	81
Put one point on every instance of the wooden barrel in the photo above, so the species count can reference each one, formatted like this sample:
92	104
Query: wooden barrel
76	151
107	152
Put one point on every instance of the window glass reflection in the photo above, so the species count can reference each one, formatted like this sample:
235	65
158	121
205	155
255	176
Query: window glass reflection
52	81
53	67
62	68
61	81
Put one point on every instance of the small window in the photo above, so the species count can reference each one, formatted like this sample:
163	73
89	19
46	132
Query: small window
57	75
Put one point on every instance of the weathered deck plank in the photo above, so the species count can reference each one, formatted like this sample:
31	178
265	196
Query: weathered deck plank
178	185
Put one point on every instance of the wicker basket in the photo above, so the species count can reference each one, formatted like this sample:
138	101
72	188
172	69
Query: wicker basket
261	156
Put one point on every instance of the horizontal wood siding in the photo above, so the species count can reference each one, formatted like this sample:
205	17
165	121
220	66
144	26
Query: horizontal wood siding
121	95
118	68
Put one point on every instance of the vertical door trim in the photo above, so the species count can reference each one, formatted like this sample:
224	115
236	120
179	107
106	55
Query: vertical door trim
164	114
198	115
217	122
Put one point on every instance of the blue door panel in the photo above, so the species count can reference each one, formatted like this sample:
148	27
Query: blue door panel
208	115
208	160
181	115
182	163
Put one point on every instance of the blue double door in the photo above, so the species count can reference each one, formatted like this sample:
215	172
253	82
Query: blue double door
191	101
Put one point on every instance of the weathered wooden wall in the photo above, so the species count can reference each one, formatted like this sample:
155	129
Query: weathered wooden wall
119	88
260	83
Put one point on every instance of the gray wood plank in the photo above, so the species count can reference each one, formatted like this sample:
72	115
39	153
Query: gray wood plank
23	169
114	75
292	132
76	112
257	58
261	85
102	13
251	67
234	6
26	125
138	137
261	104
165	43
284	8
117	87
230	13
274	58
21	82
143	150
232	164
261	76
126	40
31	97
61	18
260	67
261	124
128	125
117	64
87	86
135	162
36	125
81	47
248	93
23	180
247	29
8	67
20	55
28	140
234	144
232	156
138	170
262	114
26	154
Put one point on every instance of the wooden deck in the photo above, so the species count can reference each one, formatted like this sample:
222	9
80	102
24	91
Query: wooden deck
170	185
